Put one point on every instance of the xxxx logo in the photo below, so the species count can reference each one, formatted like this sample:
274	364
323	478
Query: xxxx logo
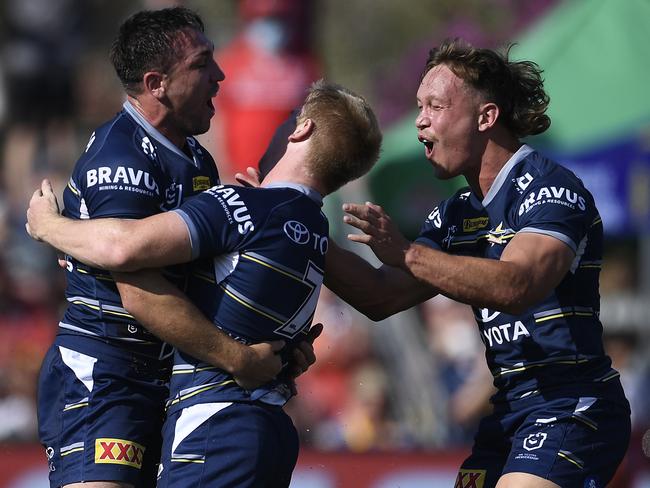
470	478
118	451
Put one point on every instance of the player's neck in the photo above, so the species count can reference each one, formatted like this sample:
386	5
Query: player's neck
158	118
496	154
292	169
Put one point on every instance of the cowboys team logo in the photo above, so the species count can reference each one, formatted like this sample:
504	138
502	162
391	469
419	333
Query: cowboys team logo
296	231
534	441
499	235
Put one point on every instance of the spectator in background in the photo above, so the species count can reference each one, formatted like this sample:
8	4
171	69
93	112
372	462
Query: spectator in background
269	67
42	40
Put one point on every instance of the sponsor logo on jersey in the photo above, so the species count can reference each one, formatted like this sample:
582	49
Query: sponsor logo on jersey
90	142
486	316
200	183
592	482
297	232
173	196
122	178
534	441
505	333
148	148
470	478
523	182
234	207
471	225
118	451
434	217
555	195
300	234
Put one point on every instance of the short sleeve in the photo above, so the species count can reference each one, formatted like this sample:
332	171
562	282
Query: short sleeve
432	231
217	220
564	211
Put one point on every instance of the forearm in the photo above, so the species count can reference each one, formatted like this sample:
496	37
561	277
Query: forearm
480	282
375	292
120	244
168	314
97	242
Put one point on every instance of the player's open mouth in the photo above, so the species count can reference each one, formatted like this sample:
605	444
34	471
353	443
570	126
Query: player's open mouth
428	146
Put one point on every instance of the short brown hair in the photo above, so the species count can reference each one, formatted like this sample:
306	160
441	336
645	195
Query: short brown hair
346	140
516	87
148	41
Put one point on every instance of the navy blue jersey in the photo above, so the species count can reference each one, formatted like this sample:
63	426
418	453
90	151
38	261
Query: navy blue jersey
128	170
266	250
556	343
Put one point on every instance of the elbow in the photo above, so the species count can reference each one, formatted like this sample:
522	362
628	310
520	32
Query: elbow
119	257
517	301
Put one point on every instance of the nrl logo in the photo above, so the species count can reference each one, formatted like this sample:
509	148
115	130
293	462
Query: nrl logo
534	441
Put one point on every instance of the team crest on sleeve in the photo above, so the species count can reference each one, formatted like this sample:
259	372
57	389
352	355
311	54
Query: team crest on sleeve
470	478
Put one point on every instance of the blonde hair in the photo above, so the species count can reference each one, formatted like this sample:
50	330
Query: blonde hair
346	140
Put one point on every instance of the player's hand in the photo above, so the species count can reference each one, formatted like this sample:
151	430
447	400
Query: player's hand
379	232
251	178
43	207
260	364
303	355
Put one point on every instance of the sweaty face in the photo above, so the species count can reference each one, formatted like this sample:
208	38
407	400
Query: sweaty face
191	83
447	121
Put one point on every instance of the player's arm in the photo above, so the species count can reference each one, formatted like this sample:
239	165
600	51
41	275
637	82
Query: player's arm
531	265
109	243
375	292
167	313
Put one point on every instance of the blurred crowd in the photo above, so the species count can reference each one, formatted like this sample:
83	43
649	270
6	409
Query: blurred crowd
418	380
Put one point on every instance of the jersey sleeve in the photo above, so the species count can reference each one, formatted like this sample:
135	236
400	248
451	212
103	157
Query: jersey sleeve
434	229
114	185
217	220
561	209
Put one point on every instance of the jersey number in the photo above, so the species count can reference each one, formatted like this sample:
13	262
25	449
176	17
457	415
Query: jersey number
313	279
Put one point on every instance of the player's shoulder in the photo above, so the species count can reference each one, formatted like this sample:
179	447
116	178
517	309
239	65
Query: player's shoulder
118	142
537	170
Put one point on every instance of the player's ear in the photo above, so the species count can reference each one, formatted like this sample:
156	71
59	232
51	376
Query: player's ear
154	83
487	116
302	131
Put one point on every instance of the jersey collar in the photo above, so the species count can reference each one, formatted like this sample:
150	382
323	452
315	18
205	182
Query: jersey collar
310	192
155	133
500	179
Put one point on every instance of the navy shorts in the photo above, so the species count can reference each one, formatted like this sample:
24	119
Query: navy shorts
573	442
229	445
100	414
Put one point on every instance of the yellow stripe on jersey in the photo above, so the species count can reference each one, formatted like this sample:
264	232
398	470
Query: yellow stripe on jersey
194	370
274	268
524	368
200	390
249	306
